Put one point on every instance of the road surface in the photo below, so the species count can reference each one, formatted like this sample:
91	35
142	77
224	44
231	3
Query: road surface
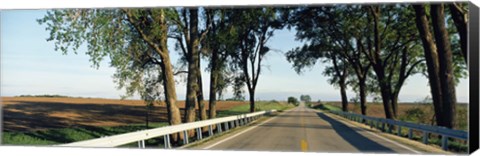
304	129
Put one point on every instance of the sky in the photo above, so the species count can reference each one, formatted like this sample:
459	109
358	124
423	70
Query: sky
31	66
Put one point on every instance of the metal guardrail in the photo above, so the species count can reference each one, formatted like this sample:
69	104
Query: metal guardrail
141	136
386	125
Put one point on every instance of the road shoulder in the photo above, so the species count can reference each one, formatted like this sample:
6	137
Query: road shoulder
418	146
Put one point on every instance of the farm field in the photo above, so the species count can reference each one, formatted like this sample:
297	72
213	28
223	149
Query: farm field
41	113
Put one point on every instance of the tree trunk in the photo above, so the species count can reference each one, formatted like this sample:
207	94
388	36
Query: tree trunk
363	96
251	91
212	111
378	67
385	93
445	60
192	81
343	93
394	103
202	115
170	93
460	19
431	57
341	74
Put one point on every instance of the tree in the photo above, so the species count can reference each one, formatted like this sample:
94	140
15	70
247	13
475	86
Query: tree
392	50
189	35
306	98
135	40
326	40
439	62
253	28
292	100
459	14
362	38
218	44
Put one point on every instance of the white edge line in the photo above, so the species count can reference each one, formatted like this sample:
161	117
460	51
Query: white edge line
386	139
233	136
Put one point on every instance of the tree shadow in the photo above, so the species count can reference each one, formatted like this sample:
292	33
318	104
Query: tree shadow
357	140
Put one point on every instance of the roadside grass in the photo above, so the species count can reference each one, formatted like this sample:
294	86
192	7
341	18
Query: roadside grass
417	112
327	107
259	106
67	135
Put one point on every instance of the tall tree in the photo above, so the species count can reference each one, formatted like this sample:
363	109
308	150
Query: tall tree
440	64
392	50
431	57
254	27
189	35
329	31
445	58
459	14
218	44
135	40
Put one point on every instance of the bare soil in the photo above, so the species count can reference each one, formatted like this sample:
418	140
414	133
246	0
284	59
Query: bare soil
40	113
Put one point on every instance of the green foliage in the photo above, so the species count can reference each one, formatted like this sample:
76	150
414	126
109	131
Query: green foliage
415	115
305	98
293	100
67	135
117	35
327	107
251	28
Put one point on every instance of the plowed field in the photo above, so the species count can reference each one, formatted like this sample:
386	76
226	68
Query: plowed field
39	113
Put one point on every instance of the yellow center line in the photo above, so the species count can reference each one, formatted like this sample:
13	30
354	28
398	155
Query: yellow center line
303	142
304	145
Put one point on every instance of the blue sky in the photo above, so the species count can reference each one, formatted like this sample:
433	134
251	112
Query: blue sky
29	65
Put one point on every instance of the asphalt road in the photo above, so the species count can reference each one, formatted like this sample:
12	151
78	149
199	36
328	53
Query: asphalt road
304	129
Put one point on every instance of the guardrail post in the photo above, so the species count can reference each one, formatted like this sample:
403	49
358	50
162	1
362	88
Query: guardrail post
237	123
219	128
166	141
425	137
141	144
226	125
210	130
389	128
444	142
399	130
410	133
383	126
185	137
199	133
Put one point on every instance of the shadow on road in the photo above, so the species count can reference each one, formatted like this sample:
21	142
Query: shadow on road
357	140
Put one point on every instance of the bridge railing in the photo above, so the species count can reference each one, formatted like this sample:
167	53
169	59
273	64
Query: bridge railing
165	132
387	125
